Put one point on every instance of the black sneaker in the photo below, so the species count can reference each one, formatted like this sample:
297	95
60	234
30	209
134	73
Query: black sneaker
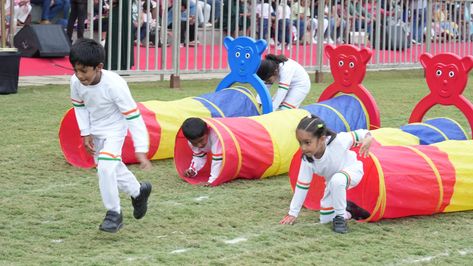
112	222
140	204
340	225
356	211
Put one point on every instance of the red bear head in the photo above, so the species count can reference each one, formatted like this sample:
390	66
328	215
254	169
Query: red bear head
446	73
348	63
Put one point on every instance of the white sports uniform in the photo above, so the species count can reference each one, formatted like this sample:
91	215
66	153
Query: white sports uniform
199	156
341	170
106	111
293	87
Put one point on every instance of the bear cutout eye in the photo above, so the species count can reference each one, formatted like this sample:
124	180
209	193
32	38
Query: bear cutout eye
438	73
352	65
247	55
451	74
237	54
340	63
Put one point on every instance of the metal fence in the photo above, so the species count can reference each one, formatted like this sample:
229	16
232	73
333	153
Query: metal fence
186	36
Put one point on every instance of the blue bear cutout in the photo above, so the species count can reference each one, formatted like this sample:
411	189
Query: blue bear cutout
244	58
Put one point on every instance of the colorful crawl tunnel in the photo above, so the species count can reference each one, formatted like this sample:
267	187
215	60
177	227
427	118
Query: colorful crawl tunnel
162	119
428	132
262	146
410	180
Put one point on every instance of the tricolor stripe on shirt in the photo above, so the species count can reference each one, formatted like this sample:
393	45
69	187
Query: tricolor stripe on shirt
355	139
199	154
108	156
217	157
132	114
77	103
285	105
283	86
302	185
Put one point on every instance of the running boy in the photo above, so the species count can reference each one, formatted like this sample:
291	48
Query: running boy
202	140
328	154
105	110
294	82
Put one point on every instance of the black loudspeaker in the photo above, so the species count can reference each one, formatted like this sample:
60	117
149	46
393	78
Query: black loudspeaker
42	41
9	72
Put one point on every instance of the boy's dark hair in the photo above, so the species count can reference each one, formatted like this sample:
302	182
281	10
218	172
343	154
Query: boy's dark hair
270	66
87	52
194	128
313	124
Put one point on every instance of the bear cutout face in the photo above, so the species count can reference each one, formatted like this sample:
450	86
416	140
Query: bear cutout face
244	54
446	74
348	64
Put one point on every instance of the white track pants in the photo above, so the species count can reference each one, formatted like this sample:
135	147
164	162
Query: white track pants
334	201
113	173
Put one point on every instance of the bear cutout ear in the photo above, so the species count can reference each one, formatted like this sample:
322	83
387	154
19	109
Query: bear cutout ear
329	49
467	63
260	46
425	59
228	42
365	55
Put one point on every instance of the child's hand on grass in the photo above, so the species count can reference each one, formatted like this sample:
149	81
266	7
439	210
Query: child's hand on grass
288	219
190	172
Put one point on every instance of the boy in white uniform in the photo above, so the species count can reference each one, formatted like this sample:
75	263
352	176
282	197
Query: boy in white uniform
105	110
328	154
202	140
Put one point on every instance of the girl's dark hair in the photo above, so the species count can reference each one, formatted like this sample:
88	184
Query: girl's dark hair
313	124
87	52
194	128
270	66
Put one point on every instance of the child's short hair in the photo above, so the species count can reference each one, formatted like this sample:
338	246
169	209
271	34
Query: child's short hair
270	66
87	52
194	128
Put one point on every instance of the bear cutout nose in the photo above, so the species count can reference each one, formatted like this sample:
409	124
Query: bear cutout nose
445	81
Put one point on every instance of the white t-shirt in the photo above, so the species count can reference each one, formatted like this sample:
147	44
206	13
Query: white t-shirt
264	10
108	109
283	12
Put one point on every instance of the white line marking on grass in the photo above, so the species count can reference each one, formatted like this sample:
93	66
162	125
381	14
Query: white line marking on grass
426	259
201	198
236	240
465	251
57	241
182	250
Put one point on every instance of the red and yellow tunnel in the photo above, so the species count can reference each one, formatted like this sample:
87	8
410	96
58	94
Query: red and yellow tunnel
253	147
407	180
163	119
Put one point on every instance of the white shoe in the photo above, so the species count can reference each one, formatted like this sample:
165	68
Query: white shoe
314	40
288	47
279	47
271	41
102	42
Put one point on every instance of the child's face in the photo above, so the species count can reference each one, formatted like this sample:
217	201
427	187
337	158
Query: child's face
200	142
88	75
310	145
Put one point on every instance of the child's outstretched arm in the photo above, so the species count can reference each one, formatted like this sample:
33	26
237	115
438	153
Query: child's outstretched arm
217	158
300	193
199	158
359	137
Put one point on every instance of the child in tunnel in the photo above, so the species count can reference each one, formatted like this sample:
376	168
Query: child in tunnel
328	154
202	140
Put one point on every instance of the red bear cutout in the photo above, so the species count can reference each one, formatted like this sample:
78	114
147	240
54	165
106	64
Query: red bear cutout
447	76
348	67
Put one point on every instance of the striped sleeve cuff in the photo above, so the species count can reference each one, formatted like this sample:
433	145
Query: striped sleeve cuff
132	114
77	103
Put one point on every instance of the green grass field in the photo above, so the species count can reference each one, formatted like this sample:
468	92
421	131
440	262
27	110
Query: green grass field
50	211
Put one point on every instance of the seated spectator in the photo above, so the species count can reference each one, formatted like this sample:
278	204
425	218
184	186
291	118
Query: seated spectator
22	9
444	27
51	8
203	12
185	20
